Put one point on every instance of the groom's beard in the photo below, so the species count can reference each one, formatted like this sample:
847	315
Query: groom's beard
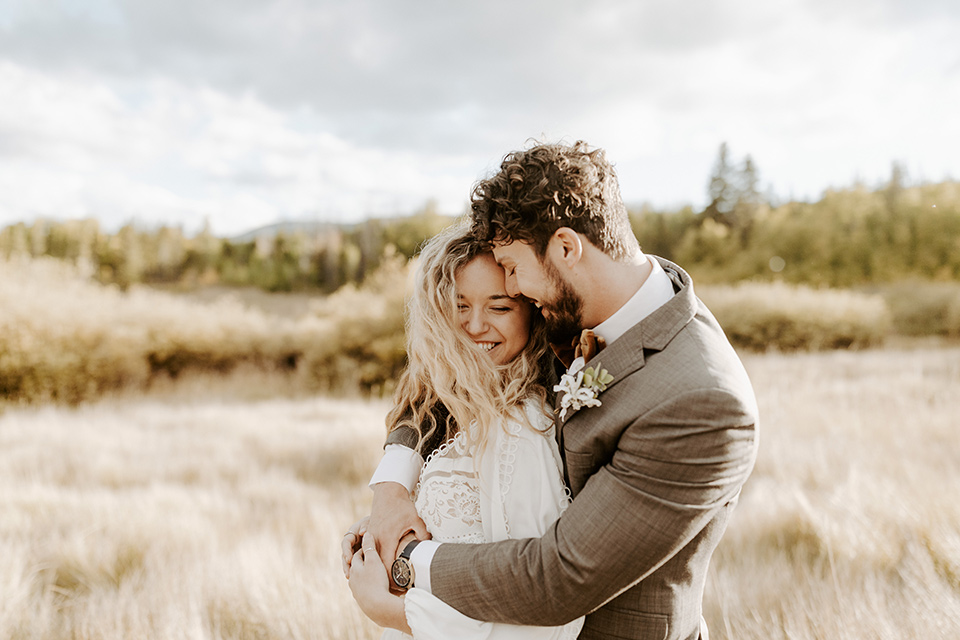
563	315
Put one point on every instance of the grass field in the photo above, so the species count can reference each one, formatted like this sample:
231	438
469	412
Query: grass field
199	512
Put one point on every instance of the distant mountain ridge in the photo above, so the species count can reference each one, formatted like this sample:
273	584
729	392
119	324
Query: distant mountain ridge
317	227
309	227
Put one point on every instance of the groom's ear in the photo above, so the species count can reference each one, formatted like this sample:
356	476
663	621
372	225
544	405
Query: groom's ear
567	247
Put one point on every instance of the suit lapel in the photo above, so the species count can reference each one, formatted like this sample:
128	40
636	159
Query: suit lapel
626	354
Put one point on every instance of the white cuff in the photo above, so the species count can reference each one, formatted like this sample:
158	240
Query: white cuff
399	464
421	558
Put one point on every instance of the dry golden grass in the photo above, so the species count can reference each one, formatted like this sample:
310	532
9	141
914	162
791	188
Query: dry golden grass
763	316
850	524
199	515
206	519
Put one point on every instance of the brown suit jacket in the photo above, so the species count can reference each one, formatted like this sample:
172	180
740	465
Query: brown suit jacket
654	472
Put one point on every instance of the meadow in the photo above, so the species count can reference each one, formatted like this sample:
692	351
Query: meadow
68	339
213	507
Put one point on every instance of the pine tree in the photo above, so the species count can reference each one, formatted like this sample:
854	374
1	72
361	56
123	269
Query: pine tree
722	190
749	199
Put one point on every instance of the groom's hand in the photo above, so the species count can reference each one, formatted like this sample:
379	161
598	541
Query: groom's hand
393	516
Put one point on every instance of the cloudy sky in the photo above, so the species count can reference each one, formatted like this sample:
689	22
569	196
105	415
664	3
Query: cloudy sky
246	112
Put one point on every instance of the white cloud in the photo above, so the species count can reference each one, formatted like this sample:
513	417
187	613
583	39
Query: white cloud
248	112
75	147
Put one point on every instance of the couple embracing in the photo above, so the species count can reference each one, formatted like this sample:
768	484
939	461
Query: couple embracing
541	481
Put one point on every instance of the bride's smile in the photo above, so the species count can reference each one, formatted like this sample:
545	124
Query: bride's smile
498	324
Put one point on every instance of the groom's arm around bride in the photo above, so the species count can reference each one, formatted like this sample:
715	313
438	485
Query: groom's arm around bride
656	467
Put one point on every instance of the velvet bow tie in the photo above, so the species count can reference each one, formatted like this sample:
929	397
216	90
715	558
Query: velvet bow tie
586	345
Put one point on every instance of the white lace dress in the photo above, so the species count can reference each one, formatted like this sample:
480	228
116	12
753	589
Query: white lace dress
514	490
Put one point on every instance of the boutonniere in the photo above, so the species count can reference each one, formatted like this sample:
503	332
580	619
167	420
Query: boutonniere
580	387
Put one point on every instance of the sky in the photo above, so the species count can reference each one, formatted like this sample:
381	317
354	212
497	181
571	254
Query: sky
242	113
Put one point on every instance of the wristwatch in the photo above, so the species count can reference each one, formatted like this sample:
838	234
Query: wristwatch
402	568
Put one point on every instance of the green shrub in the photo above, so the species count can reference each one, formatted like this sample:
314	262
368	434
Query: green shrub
924	308
67	339
783	317
364	346
64	338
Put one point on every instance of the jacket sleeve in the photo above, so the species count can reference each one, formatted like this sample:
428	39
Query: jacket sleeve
664	483
405	436
408	436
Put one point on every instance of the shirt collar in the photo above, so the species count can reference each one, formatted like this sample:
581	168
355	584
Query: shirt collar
655	291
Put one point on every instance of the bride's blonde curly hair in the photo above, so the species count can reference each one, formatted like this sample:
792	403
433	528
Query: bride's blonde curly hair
445	369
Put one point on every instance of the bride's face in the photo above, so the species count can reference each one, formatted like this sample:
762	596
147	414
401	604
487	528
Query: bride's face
498	324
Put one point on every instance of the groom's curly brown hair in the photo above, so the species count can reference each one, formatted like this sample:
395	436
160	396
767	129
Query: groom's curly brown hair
549	186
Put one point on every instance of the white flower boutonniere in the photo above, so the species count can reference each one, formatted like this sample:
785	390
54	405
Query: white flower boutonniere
580	386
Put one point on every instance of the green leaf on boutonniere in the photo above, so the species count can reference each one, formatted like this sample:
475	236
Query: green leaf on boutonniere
604	378
588	377
597	378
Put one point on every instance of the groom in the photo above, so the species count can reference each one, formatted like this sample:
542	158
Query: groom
654	471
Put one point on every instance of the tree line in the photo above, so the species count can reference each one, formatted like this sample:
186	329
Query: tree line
853	236
312	257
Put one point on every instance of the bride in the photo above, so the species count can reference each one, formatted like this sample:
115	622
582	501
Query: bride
477	357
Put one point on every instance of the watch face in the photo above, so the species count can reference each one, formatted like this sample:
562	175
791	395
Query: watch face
401	571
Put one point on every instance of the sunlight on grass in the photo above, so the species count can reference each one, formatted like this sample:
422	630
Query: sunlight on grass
847	528
184	516
212	520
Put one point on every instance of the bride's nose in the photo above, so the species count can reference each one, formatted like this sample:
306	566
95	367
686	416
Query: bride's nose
475	323
510	284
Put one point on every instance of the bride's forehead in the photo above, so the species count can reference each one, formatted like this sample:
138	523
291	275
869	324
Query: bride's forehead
481	272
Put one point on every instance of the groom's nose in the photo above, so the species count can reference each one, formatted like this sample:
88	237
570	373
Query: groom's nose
510	284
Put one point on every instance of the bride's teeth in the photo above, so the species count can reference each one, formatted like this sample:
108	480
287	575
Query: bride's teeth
486	346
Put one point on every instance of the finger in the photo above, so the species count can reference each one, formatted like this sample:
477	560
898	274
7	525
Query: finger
346	553
346	546
368	546
420	530
356	566
349	546
388	552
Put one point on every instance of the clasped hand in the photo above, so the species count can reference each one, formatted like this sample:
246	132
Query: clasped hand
370	546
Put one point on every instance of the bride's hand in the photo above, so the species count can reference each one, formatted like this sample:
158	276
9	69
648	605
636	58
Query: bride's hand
371	588
350	543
